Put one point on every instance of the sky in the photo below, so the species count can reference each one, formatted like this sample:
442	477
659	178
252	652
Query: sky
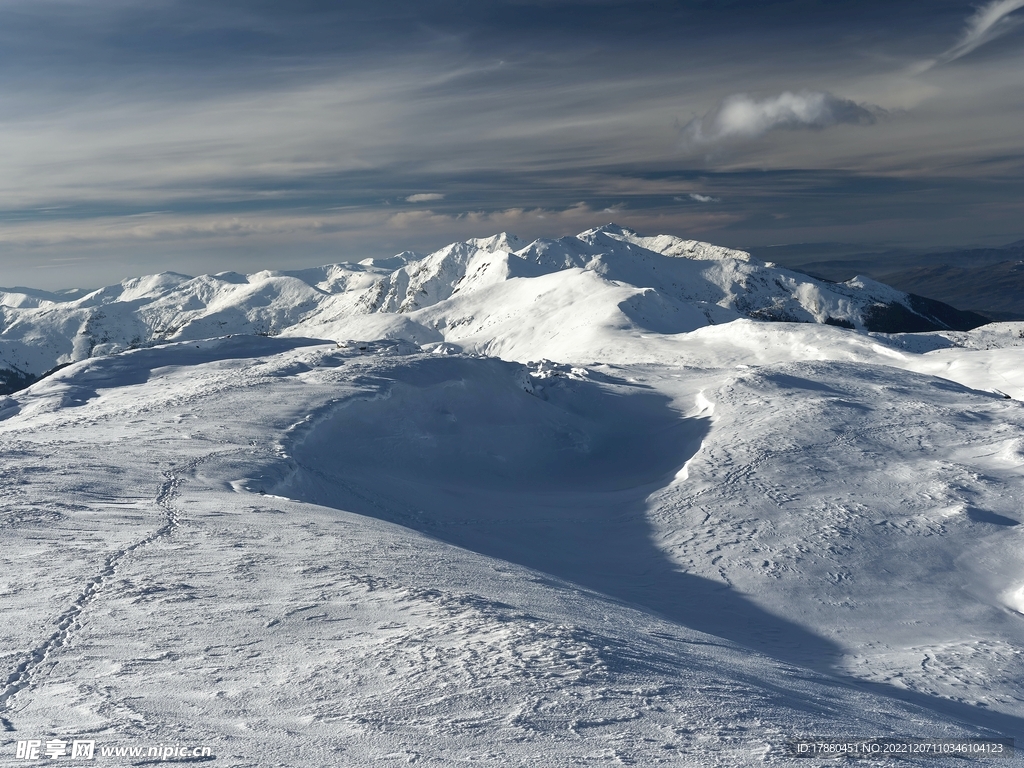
139	136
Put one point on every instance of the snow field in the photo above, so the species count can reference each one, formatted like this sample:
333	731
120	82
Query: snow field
481	573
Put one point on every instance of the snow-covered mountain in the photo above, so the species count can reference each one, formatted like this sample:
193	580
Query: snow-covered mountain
483	294
564	503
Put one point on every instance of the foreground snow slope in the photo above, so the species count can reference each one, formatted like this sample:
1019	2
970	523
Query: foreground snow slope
605	279
304	554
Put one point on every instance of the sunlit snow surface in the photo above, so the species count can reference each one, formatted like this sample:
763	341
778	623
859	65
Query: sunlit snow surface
664	548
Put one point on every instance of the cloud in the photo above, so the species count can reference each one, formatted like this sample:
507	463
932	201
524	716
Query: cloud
989	22
704	198
579	215
424	197
742	117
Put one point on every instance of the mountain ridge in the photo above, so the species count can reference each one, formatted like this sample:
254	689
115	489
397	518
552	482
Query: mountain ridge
662	284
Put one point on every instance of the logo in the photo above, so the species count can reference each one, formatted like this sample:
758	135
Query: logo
53	749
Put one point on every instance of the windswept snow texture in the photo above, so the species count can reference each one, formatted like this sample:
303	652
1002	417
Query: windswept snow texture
535	513
484	293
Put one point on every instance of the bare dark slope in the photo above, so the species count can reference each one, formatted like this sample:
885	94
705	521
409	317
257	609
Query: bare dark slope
995	291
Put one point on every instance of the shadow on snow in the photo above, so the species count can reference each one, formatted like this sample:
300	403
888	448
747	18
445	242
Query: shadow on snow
556	481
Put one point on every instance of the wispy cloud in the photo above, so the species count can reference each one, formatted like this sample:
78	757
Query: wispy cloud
991	20
699	198
742	117
424	197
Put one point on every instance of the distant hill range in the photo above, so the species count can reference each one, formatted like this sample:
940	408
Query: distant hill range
988	281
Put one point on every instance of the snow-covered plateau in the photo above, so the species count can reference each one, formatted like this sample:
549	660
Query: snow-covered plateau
602	500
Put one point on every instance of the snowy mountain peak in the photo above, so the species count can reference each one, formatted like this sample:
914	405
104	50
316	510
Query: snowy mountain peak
611	228
547	298
862	283
669	245
503	241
